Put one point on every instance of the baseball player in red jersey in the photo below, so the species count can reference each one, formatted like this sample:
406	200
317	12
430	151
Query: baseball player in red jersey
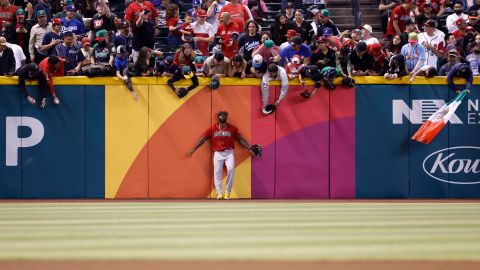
223	137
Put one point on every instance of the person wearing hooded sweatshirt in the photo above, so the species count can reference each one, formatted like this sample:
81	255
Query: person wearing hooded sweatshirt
461	70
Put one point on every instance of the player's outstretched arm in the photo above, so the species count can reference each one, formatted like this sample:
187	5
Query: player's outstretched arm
243	142
197	145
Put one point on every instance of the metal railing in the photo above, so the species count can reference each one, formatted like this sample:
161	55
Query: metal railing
357	13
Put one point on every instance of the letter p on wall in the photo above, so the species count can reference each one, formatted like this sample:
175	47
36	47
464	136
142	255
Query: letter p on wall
12	140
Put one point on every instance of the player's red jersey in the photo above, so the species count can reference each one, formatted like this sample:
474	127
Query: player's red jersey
222	139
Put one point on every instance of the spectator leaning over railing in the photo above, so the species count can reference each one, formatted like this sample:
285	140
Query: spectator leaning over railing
396	67
426	71
361	60
37	33
274	73
53	38
256	67
236	67
380	62
461	70
166	67
71	53
32	72
183	73
216	66
452	18
414	53
52	67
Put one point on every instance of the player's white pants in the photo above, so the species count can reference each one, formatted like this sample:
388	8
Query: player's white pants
219	158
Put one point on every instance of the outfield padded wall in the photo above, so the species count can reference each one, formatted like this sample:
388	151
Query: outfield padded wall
100	143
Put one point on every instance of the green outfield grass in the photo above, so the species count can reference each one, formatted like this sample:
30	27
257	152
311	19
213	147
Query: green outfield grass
240	230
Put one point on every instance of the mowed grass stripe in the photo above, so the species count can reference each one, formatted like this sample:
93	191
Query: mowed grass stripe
195	230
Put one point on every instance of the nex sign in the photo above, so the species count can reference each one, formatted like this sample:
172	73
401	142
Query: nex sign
13	142
421	110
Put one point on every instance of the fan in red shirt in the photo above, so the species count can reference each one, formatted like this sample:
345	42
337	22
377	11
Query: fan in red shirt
134	9
227	34
52	67
398	18
238	13
462	27
223	137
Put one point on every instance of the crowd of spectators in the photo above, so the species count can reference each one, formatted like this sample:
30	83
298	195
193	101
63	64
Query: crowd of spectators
218	38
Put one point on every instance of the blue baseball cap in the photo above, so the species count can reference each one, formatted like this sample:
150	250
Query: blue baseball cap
327	31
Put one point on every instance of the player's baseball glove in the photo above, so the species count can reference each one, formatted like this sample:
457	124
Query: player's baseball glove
214	84
182	91
256	149
305	94
348	82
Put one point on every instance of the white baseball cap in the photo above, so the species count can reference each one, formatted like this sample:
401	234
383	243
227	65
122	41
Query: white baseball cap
257	61
368	28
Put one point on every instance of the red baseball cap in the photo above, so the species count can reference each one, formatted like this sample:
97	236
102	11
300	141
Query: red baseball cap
201	13
459	21
56	21
291	33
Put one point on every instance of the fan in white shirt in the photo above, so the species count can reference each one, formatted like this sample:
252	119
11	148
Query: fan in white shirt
367	35
433	43
451	19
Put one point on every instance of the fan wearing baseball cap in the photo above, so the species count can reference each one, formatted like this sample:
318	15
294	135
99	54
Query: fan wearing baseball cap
297	48
183	73
71	24
461	28
256	67
52	39
414	53
433	43
326	22
323	56
203	33
367	31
